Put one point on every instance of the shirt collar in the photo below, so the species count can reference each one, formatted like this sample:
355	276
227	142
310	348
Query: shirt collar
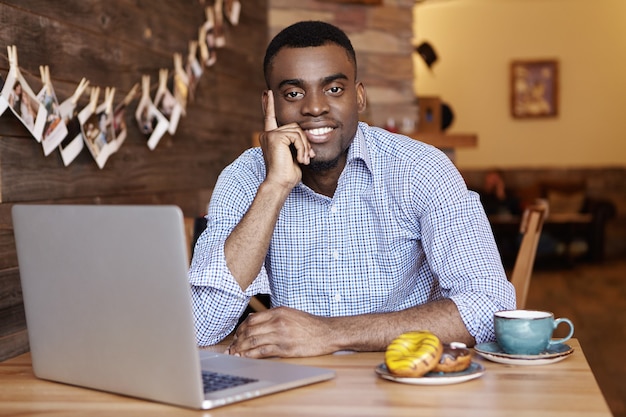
358	149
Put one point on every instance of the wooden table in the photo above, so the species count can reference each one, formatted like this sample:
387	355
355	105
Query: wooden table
566	388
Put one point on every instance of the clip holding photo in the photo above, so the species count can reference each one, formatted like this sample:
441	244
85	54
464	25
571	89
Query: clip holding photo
206	39
120	129
167	103
232	10
22	100
181	83
55	129
98	130
3	102
73	144
220	39
150	120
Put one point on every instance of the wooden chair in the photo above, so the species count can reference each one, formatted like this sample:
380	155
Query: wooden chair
193	228
530	227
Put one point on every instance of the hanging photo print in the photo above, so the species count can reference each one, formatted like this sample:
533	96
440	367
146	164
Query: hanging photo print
119	118
232	9
206	39
72	144
3	103
54	130
166	103
193	70
150	120
220	40
22	100
181	83
98	130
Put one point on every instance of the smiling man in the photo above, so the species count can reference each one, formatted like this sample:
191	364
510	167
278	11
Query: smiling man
358	234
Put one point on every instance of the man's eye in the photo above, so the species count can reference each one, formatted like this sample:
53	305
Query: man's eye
335	90
293	94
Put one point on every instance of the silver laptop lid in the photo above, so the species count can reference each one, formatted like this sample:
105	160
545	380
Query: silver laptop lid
92	299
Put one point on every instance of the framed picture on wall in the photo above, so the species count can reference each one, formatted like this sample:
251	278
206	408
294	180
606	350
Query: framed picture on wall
534	88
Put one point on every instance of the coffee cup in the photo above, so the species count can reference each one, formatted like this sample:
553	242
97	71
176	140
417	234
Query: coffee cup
528	332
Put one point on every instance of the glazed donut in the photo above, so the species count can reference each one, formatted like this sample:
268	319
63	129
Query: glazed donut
413	354
456	357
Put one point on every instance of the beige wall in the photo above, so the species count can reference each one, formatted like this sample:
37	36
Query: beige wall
477	39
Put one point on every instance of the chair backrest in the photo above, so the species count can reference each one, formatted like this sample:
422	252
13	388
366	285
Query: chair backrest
194	226
530	228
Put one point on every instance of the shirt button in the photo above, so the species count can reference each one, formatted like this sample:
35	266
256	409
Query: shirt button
333	209
337	297
335	254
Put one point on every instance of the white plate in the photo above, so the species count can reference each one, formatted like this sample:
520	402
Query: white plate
475	370
493	352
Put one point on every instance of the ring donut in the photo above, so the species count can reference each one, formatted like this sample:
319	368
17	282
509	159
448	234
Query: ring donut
456	357
413	354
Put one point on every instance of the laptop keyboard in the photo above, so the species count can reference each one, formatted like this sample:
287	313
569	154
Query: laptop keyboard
214	381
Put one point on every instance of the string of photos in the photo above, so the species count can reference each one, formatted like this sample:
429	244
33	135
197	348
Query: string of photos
101	125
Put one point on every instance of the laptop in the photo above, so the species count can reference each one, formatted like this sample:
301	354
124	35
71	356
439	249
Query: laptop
108	307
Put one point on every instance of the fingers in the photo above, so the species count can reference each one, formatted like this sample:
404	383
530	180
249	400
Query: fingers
304	152
270	112
253	339
291	134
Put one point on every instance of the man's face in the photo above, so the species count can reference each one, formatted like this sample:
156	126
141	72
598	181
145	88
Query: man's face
316	88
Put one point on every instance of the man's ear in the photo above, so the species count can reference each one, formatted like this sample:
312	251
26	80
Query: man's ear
361	97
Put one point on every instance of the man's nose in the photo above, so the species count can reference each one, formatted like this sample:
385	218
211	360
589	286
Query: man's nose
315	104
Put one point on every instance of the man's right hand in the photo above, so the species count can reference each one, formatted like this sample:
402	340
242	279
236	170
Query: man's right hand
282	166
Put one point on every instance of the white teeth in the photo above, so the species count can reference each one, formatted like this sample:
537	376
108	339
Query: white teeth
320	131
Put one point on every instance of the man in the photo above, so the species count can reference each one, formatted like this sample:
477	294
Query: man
358	234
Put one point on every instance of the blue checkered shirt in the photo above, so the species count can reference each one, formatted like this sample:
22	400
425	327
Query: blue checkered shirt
402	229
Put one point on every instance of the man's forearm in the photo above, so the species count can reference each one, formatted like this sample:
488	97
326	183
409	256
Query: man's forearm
373	332
246	247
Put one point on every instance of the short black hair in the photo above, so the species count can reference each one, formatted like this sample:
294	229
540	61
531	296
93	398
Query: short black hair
306	34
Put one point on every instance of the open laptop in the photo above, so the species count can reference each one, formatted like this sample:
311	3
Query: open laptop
108	307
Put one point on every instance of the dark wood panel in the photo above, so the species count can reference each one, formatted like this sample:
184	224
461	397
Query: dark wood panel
8	257
106	42
112	43
13	319
10	289
13	344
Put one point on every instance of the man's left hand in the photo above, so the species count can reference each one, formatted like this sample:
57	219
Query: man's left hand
281	332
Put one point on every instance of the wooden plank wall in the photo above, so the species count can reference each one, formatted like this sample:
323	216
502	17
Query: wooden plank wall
112	44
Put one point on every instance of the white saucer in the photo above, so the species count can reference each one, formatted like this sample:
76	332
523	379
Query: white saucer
475	370
493	352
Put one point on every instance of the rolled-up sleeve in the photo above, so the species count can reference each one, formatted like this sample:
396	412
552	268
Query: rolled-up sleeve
217	299
462	254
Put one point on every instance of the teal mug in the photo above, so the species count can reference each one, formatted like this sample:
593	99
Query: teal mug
528	332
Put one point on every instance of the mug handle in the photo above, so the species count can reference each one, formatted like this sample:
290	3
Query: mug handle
566	338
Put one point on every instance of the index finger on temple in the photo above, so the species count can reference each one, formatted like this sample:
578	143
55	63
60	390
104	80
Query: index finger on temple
270	113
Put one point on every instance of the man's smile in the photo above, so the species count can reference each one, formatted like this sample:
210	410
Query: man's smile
318	134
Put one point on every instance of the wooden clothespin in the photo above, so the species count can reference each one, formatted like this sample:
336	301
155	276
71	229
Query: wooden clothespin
233	9
145	87
93	98
181	82
193	50
109	94
131	95
220	41
12	51
82	86
178	68
210	17
162	82
44	71
204	50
